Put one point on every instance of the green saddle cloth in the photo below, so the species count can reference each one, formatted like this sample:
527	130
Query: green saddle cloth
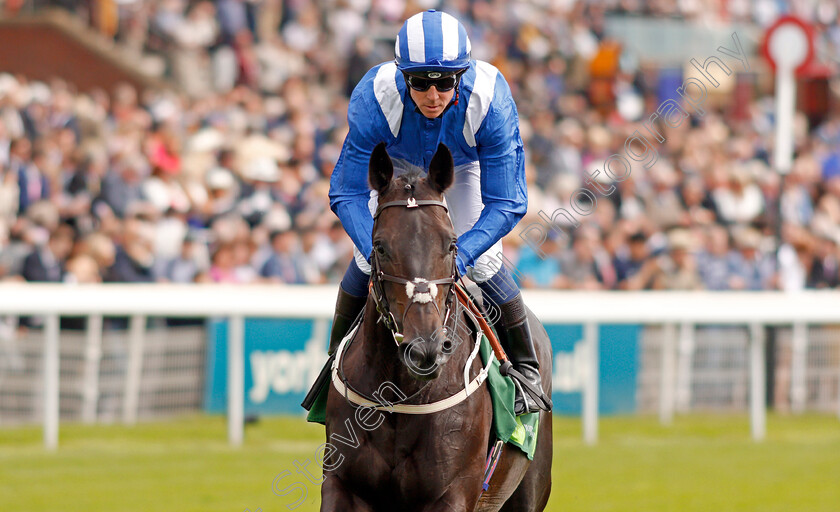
520	431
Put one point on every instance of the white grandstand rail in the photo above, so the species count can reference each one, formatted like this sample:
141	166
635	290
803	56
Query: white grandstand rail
202	300
588	308
185	301
720	308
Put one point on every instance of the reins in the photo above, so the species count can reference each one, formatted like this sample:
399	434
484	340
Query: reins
499	352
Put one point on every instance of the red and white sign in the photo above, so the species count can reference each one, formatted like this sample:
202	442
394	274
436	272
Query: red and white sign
789	43
789	46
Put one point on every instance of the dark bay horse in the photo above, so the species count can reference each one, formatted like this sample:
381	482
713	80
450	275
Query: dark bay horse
420	461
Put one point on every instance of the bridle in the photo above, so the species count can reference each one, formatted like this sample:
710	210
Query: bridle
418	289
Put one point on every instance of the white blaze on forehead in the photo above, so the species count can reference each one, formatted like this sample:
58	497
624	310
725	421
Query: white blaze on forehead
424	297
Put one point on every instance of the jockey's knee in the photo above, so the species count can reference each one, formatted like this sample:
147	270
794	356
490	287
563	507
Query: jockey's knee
361	261
355	280
500	287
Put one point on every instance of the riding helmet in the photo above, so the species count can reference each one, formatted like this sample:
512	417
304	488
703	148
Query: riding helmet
432	41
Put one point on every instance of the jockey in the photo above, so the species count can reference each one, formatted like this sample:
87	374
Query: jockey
434	93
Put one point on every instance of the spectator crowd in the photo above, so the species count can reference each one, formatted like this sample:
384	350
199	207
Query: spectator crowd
227	178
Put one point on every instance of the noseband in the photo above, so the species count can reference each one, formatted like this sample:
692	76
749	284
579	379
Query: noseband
418	289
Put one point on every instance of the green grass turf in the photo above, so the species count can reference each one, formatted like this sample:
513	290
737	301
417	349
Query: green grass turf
701	463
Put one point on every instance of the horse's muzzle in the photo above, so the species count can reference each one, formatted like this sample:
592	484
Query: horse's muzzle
421	357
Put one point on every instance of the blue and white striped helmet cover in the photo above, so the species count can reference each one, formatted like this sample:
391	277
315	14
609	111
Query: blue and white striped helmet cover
432	40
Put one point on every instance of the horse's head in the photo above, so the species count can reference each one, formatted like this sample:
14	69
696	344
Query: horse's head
413	258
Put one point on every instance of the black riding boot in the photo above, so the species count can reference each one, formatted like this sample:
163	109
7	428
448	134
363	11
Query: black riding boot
347	308
515	336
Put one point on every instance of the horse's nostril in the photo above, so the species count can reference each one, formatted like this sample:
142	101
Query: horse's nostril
420	357
414	353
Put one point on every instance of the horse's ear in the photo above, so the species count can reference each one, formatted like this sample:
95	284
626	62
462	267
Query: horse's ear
441	170
380	169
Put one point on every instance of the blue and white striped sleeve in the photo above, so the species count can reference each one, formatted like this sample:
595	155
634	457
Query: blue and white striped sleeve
503	187
349	189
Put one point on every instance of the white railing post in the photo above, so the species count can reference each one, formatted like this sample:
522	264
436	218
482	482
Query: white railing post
758	384
137	333
838	390
838	394
90	380
590	387
667	375
685	363
51	376
236	379
798	367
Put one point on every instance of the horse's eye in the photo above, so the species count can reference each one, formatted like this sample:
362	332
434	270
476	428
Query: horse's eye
380	249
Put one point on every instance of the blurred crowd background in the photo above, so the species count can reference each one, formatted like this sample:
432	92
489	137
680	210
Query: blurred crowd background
226	178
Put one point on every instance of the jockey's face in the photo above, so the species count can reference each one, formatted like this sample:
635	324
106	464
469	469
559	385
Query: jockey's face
431	102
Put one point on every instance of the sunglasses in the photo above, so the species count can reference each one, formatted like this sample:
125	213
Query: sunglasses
422	84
